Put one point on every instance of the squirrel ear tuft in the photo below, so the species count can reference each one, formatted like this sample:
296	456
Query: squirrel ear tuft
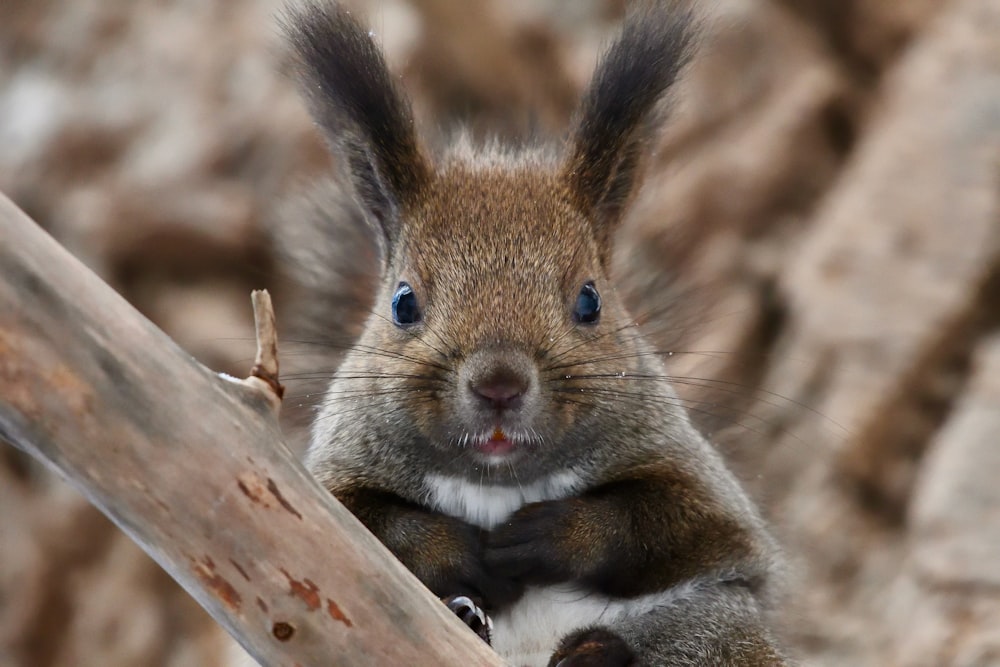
368	123
612	119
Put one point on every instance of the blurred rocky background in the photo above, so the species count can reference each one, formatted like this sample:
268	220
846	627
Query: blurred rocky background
816	251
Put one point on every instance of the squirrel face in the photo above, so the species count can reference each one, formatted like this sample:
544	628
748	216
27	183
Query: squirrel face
505	291
495	340
497	337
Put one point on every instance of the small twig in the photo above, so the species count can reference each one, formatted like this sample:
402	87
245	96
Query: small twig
264	374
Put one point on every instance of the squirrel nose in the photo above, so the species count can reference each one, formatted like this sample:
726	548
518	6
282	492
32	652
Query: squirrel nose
501	391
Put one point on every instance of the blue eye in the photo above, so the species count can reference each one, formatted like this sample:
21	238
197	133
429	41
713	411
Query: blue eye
588	305
405	310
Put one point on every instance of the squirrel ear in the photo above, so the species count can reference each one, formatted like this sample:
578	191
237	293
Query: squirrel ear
367	121
631	77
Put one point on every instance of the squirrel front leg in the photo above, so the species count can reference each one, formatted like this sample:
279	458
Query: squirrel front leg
642	533
656	530
446	554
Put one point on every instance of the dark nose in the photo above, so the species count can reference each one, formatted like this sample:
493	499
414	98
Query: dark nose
501	390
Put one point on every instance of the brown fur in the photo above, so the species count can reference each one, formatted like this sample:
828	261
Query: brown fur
439	550
496	249
646	532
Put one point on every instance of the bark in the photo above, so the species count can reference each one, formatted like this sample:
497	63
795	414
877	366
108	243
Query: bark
191	465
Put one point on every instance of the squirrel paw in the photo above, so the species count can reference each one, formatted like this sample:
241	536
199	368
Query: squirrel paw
531	546
594	647
470	614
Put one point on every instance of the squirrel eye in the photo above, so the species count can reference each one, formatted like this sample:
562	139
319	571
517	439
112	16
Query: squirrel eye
588	305
405	310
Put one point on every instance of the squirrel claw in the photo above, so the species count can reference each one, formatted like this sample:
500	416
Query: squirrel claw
472	615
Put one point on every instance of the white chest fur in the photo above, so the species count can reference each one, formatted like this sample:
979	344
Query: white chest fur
527	634
486	505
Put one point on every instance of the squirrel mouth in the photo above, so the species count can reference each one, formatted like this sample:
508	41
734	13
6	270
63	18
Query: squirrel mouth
497	444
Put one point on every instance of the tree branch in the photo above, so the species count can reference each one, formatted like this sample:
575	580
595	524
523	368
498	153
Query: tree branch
192	466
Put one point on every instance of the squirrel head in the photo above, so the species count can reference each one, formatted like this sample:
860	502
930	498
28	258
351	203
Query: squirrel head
496	341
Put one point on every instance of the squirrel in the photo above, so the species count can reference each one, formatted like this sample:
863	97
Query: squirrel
500	424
